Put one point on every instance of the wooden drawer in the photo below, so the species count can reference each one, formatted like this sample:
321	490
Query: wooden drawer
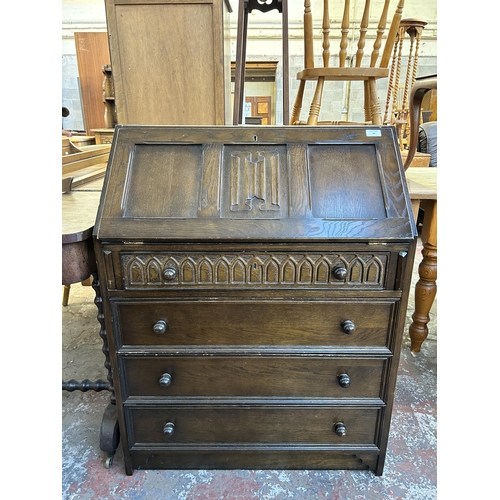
253	322
335	377
341	270
261	424
275	457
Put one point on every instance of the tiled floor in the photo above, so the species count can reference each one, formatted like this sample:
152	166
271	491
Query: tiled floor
410	469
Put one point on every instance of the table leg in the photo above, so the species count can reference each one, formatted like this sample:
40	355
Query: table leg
66	291
426	288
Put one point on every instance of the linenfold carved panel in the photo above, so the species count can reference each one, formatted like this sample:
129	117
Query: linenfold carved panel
255	182
254	179
191	183
145	270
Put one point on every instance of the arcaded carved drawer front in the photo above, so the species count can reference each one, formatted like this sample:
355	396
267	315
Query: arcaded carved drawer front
332	270
253	376
233	322
285	424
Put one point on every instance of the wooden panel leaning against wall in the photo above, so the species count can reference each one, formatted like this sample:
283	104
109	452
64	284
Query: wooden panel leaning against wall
92	53
179	74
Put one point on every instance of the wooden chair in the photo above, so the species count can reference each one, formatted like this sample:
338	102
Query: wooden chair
349	68
420	88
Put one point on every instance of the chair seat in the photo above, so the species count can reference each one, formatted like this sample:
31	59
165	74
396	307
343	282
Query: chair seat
343	74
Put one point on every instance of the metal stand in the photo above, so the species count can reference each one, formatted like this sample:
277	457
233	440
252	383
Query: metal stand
246	6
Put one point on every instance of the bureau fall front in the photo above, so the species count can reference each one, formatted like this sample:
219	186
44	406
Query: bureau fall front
254	284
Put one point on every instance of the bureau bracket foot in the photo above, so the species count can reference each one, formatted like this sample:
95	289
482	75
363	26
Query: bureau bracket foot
110	433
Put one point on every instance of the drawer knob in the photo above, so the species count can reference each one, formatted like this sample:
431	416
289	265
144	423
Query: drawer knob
340	429
169	429
170	273
160	327
340	272
344	380
166	380
348	326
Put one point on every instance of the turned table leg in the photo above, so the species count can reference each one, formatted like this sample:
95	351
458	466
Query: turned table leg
426	288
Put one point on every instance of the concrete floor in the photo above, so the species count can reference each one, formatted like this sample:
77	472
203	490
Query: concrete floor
410	469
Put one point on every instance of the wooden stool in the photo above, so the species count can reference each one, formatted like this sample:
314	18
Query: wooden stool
246	6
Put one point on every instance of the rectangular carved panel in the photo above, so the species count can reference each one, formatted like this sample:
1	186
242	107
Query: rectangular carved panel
163	185
255	182
145	270
346	182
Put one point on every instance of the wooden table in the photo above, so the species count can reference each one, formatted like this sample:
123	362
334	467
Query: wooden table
422	184
79	209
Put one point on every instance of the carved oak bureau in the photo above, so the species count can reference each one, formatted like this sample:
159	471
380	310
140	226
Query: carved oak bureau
254	284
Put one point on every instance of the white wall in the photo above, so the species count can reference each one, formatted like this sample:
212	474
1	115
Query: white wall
264	43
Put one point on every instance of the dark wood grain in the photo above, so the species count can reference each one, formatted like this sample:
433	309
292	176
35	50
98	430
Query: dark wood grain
241	183
222	424
264	457
257	322
314	376
244	270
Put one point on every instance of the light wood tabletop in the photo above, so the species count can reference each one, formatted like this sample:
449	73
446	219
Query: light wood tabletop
422	182
79	211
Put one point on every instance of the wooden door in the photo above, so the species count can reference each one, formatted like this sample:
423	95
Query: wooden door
168	61
260	106
92	54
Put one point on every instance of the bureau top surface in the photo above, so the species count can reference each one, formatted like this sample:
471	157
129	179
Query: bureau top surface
183	183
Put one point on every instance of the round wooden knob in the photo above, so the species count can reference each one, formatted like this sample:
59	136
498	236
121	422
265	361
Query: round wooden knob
160	327
339	272
348	326
170	273
339	429
344	380
169	429
166	380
